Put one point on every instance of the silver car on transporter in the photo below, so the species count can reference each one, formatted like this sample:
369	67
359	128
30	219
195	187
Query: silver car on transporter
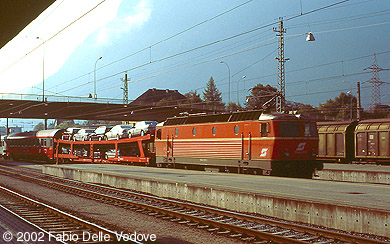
118	132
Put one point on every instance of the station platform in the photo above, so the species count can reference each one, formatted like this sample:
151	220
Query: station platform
353	207
356	173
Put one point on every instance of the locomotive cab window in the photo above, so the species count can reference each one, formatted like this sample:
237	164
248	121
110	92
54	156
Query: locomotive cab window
289	129
310	129
159	134
264	129
176	132
194	131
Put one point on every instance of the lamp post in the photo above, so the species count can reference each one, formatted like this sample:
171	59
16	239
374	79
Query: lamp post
281	99
43	69
238	82
222	62
350	104
94	79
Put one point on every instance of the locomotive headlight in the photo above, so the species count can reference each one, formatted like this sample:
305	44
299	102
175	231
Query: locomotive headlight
286	153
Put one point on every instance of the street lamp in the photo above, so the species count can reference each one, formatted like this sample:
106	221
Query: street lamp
310	37
94	79
43	69
238	82
350	104
222	62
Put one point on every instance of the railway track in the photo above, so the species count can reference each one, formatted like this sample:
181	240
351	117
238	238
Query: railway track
237	225
54	225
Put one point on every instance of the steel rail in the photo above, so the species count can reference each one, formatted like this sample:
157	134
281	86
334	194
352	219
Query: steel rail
81	222
30	223
237	229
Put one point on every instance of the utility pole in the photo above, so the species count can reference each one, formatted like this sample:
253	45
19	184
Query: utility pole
375	83
281	99
359	104
125	90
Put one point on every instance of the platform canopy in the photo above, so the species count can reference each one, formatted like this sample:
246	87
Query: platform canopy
142	108
17	14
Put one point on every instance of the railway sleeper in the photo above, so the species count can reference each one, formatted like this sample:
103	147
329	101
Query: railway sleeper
192	223
310	238
327	241
202	226
261	242
184	222
224	232
175	219
52	228
268	230
281	232
241	224
213	229
248	238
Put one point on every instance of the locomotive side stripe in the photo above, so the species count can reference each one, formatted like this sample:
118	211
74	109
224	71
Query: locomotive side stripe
207	149
238	139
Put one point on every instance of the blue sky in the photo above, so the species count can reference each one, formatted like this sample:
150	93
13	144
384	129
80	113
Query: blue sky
130	35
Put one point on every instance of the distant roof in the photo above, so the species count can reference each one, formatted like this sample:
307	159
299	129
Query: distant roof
152	96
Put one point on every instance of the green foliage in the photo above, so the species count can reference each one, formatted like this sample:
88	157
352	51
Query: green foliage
232	106
340	107
66	124
193	97
167	102
211	93
39	126
259	96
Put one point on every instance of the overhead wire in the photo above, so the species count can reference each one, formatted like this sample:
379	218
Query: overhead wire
212	43
190	51
202	46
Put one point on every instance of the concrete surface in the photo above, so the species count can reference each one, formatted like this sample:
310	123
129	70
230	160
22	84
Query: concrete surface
353	207
356	173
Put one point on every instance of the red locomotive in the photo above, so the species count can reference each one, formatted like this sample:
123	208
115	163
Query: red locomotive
33	145
248	142
243	142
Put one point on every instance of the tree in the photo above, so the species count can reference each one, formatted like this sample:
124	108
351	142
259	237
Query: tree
170	101
340	107
193	97
66	124
211	93
39	127
260	97
306	109
232	106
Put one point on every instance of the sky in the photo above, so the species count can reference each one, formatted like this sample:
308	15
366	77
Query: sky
178	45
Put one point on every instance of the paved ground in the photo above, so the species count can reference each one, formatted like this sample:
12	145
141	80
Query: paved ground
374	196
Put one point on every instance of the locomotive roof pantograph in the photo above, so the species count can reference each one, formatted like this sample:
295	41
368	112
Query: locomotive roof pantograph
231	117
